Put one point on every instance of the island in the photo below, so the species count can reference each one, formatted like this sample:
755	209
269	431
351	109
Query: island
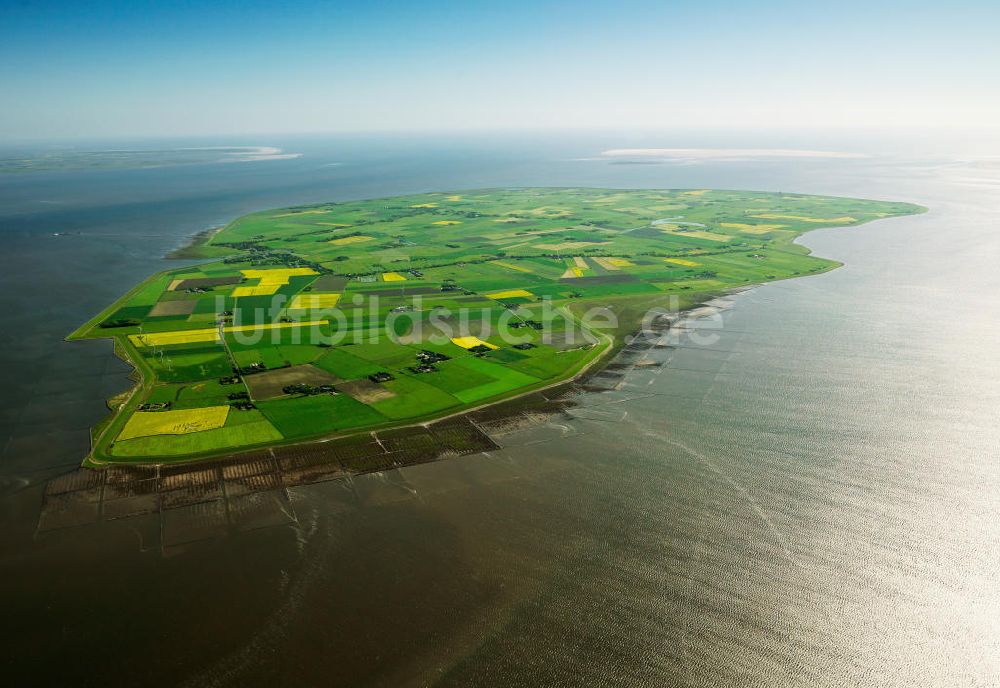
337	319
71	159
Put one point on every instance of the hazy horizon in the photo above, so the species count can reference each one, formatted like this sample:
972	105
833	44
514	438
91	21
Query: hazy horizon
687	146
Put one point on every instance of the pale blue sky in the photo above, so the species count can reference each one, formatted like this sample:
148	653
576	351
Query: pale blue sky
134	67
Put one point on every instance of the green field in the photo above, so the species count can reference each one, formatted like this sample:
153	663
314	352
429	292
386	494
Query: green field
332	309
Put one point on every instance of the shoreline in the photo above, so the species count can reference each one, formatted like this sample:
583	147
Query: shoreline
615	345
195	242
590	367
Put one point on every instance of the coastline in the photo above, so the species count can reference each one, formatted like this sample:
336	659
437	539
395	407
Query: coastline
195	246
591	368
616	344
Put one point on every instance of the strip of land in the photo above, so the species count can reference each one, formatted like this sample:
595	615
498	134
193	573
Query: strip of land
341	318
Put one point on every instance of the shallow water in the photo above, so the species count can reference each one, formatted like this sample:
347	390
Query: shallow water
802	492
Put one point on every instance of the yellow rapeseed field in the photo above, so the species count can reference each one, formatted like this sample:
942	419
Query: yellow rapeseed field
269	281
273	326
260	290
309	301
510	294
750	229
550	212
697	234
177	337
613	263
681	261
392	277
181	422
621	262
208	335
570	245
802	218
357	239
470	342
276	275
709	235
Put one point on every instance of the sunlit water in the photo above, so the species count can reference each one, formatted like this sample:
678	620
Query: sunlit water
805	492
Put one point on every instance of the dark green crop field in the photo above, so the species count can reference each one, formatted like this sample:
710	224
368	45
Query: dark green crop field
341	318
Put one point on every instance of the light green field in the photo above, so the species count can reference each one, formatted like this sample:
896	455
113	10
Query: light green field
359	289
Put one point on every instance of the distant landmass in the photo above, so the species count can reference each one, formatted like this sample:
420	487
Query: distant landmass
77	160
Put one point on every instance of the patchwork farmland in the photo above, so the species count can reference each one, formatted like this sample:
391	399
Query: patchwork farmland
342	318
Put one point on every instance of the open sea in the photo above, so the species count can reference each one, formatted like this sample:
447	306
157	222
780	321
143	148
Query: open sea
804	491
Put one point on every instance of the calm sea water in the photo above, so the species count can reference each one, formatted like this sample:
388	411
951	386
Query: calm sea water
809	498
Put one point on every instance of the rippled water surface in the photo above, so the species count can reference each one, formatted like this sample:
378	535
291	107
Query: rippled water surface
800	489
